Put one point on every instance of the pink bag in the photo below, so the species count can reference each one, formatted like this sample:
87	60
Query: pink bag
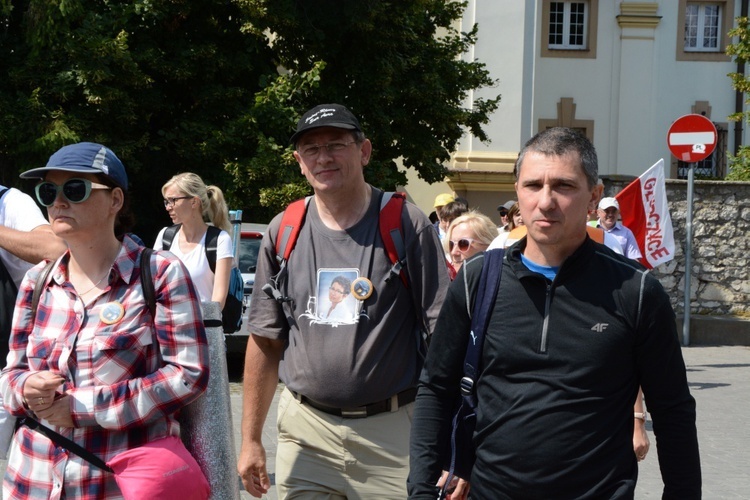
162	469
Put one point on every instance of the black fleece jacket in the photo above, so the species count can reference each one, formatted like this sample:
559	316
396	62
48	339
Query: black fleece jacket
562	362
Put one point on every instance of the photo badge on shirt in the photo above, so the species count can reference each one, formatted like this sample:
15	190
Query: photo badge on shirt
335	303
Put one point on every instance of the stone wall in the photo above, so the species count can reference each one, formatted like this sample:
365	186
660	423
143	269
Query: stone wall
720	277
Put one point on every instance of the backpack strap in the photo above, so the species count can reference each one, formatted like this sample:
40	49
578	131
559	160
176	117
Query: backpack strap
489	282
168	237
212	242
40	282
291	223
389	223
147	281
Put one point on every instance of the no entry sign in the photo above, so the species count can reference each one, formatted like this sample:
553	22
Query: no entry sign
692	138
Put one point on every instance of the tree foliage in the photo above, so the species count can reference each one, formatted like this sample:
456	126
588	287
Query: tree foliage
215	88
161	83
739	165
397	65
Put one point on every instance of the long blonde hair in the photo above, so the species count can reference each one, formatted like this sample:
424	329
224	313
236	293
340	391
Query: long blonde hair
213	207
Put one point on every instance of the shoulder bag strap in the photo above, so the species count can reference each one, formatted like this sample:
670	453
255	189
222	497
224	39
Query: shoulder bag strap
66	443
489	281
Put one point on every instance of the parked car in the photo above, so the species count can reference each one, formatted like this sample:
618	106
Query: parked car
249	247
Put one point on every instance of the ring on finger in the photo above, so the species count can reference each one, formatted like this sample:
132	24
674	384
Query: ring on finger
41	401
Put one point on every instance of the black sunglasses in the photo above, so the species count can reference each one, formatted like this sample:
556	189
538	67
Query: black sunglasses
74	190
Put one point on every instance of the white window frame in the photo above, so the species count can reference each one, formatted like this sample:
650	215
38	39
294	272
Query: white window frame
566	45
698	9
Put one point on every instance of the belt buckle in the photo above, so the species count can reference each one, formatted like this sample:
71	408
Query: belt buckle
360	412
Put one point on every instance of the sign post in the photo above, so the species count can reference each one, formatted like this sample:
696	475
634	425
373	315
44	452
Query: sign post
691	138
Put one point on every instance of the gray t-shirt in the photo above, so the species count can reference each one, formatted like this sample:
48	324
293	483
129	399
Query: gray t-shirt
341	351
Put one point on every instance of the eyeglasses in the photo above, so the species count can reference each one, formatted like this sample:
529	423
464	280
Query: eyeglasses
340	292
503	214
463	244
171	201
313	150
73	190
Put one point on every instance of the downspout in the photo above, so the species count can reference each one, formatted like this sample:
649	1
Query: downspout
738	98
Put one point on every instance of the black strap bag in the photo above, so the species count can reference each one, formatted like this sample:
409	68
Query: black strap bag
461	459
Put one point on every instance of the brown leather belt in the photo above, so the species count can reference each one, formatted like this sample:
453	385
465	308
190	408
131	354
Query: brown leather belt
391	404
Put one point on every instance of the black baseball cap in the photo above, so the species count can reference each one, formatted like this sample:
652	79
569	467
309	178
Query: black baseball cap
326	115
505	207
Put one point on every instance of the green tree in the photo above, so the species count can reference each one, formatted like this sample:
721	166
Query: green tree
195	86
397	65
164	84
739	165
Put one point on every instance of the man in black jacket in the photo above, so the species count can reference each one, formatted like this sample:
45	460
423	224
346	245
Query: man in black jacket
574	331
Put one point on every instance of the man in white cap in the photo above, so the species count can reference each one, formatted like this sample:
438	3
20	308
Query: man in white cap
609	215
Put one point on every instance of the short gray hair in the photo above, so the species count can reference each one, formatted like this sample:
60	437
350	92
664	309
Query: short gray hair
561	141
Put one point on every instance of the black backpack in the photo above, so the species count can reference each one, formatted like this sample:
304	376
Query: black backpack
231	315
8	294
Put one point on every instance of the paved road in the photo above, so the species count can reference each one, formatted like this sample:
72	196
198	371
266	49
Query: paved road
720	382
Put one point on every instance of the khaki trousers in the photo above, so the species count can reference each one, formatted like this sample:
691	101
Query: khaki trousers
322	456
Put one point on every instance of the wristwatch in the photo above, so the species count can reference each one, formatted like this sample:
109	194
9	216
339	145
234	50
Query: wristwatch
640	414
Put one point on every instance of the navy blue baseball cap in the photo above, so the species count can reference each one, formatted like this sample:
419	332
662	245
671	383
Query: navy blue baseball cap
326	115
85	158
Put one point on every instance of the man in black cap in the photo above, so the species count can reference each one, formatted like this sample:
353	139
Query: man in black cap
503	210
345	414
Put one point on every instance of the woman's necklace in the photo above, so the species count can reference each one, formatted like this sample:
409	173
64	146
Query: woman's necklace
97	283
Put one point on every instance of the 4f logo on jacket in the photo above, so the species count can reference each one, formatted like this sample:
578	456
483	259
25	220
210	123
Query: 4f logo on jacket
600	327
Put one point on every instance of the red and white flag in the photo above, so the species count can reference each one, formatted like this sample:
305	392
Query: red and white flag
644	209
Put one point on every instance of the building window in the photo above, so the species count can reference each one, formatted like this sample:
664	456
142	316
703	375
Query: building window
702	24
569	28
567	25
702	30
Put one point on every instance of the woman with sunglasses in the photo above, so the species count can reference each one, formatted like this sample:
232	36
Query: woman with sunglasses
190	204
468	235
91	362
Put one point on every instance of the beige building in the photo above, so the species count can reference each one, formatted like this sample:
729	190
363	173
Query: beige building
620	71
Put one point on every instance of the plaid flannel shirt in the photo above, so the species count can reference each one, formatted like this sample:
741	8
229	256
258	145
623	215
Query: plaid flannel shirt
125	388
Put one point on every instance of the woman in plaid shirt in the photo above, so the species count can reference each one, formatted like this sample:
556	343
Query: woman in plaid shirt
94	365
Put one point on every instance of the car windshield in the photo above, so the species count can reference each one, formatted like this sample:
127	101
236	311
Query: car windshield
249	248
